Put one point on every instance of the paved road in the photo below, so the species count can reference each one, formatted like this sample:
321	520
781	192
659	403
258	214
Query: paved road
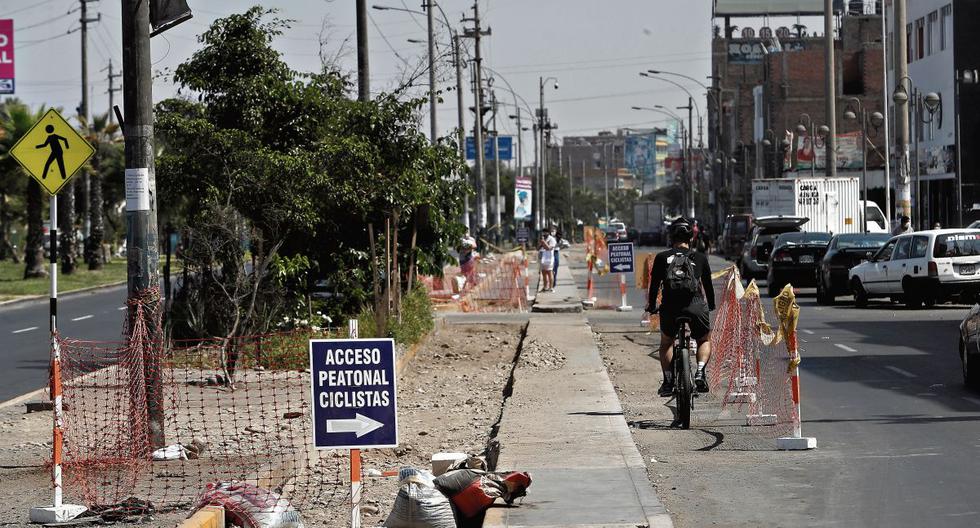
899	435
25	339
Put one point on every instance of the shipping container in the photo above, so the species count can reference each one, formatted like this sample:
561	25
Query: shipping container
832	204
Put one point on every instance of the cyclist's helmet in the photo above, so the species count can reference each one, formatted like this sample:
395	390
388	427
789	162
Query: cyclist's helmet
680	230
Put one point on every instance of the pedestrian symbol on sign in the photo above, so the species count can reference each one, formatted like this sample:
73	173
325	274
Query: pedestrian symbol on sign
54	143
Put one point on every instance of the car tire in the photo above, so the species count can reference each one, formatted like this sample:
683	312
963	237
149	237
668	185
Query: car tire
913	301
860	296
971	367
824	297
773	287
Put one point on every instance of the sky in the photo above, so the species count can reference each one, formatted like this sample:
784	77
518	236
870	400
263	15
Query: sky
595	49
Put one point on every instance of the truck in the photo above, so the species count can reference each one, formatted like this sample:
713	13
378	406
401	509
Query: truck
833	205
648	220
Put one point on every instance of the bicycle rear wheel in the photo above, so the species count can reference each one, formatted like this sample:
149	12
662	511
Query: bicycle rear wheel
684	381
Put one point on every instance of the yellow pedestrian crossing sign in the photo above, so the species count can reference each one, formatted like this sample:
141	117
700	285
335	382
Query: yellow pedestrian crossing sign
52	151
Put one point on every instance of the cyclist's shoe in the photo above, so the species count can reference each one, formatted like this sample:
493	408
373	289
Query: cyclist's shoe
666	389
700	381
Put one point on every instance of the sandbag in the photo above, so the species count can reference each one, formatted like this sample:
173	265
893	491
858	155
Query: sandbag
250	506
419	503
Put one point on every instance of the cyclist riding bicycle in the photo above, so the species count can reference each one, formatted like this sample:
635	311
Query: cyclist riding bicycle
687	293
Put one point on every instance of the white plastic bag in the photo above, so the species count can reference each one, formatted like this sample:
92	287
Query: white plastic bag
419	504
251	506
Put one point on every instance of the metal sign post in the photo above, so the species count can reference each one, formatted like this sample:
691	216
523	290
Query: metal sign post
621	262
52	151
354	395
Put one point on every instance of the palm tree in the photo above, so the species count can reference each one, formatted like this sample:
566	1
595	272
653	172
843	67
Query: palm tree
16	119
102	136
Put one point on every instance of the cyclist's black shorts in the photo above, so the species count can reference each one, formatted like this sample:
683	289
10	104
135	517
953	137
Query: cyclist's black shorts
697	312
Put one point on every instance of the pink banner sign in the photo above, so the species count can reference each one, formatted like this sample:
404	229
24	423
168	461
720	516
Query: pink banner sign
6	56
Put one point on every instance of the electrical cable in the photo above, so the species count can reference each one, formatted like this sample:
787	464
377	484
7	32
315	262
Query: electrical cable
39	4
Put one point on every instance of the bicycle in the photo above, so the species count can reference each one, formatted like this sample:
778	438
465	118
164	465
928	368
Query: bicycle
684	391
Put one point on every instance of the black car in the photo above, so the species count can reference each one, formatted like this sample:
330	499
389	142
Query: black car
794	259
754	261
844	252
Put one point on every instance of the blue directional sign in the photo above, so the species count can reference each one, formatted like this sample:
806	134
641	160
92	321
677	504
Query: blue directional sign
505	145
621	257
354	394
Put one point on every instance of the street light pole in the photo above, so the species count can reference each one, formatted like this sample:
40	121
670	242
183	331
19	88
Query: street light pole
433	130
830	93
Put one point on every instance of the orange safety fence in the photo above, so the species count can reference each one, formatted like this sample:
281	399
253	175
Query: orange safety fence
498	283
160	421
749	364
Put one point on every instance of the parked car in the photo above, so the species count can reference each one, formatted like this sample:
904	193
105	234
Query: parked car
970	347
922	267
754	260
843	253
794	260
734	234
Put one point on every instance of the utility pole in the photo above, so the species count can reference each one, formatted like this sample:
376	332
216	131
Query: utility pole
433	131
461	118
67	202
481	193
571	203
831	88
143	253
496	167
903	189
363	66
112	89
605	178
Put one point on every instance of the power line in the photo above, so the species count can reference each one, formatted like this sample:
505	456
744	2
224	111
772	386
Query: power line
26	8
392	48
43	22
29	43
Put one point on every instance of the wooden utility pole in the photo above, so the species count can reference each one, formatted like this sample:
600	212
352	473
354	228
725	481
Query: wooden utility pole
142	236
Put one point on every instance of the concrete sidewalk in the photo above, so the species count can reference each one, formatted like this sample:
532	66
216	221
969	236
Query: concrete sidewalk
566	427
565	298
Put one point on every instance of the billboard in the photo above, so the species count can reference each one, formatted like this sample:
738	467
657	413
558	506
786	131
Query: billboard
522	198
848	152
6	56
767	7
641	155
749	51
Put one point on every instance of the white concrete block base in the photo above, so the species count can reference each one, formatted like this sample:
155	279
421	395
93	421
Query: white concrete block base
588	303
442	461
792	443
760	419
624	308
741	397
52	514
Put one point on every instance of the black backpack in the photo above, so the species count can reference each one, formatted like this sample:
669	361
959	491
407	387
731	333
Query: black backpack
682	279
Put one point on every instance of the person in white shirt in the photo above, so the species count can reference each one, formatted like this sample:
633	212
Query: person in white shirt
555	240
546	261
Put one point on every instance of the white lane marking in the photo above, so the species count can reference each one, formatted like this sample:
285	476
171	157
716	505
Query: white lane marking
897	370
22	330
121	308
844	347
82	318
974	401
909	455
805	331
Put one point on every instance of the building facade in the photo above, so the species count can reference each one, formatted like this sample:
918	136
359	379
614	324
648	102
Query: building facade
769	80
941	42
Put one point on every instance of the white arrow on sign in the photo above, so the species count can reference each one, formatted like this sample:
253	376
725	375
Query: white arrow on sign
621	267
360	425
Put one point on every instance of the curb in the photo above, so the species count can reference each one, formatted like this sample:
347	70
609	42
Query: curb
17	400
28	298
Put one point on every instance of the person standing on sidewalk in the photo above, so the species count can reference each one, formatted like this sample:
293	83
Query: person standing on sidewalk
687	292
546	263
555	240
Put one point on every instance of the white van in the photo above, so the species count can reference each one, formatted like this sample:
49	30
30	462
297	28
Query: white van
921	267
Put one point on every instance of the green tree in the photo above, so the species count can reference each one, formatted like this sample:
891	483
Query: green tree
16	119
108	147
302	173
